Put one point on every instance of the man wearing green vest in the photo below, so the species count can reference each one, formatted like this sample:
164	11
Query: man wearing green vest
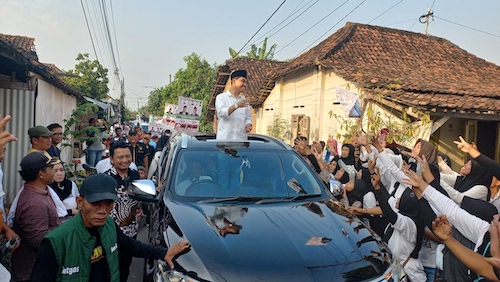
87	247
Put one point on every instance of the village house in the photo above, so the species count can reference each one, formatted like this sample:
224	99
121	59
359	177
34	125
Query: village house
444	90
33	94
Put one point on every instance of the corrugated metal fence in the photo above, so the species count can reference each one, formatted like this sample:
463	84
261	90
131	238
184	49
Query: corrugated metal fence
20	105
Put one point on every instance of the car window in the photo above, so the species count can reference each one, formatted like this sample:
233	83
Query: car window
243	172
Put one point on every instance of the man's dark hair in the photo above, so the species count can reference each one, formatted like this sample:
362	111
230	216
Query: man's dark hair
118	128
54	125
116	145
29	176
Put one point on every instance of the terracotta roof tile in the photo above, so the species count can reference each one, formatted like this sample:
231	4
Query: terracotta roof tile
21	49
384	58
22	43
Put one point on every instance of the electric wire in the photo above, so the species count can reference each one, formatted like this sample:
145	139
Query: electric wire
290	21
261	26
311	27
471	28
296	10
355	8
385	11
391	24
88	28
114	31
98	34
108	33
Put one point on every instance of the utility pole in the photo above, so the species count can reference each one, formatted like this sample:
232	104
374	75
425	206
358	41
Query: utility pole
425	19
122	101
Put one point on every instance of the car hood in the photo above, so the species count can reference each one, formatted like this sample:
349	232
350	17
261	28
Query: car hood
308	241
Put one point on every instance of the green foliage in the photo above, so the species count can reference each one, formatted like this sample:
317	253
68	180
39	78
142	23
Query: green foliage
195	81
400	133
76	126
256	53
89	77
279	128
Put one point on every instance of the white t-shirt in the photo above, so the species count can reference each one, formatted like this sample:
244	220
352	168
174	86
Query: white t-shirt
231	127
105	164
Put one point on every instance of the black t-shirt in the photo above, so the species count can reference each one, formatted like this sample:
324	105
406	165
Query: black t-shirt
99	270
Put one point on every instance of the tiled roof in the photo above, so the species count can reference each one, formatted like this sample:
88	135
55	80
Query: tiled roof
411	68
21	49
257	74
22	43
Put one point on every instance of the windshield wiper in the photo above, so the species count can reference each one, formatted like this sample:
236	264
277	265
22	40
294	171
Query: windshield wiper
289	199
237	198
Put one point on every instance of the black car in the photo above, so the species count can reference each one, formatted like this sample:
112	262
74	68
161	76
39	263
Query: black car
255	211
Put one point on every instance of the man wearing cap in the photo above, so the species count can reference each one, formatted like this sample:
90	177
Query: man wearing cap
90	245
36	214
57	131
233	111
41	139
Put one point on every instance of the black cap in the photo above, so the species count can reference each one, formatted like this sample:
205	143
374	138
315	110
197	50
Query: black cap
238	73
132	132
99	187
36	161
38	131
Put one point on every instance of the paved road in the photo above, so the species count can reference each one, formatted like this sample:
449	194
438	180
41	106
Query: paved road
137	267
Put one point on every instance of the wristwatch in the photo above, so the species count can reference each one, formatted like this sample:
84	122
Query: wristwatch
236	106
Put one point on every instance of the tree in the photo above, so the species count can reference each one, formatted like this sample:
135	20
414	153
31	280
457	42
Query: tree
195	81
89	77
256	53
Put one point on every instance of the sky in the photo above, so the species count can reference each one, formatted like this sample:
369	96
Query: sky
151	37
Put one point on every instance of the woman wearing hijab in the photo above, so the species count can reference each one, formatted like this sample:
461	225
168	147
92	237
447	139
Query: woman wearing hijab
473	228
405	230
346	162
65	189
473	181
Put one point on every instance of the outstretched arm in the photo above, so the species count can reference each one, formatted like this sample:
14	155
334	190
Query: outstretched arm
474	261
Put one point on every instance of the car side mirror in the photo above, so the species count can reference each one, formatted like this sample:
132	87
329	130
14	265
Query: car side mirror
142	190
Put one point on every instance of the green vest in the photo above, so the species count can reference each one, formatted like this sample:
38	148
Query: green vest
73	245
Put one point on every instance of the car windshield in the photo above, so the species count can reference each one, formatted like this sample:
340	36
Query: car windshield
240	172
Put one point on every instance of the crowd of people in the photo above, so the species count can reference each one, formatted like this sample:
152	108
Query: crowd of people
440	225
59	231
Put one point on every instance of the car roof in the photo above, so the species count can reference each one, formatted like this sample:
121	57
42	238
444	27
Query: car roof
255	141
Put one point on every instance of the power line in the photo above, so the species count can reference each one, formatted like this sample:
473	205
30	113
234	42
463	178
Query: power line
385	11
291	20
108	33
312	27
462	25
88	28
399	22
296	10
262	26
355	8
114	31
433	2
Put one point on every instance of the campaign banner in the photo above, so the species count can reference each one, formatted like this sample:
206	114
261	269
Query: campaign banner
189	108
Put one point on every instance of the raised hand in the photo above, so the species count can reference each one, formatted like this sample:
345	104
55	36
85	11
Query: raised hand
442	228
5	136
414	180
375	178
339	174
372	164
376	143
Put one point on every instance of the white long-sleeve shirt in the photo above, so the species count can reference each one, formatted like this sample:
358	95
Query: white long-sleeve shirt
231	126
472	227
